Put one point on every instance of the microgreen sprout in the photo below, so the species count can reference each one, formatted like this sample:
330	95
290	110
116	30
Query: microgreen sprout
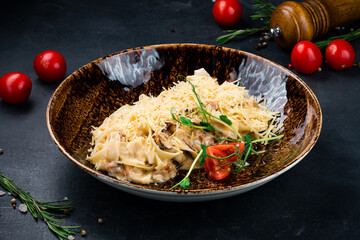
185	182
239	164
242	156
186	121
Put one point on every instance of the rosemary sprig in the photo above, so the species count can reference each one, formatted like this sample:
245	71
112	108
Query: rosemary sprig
348	37
41	210
265	9
233	33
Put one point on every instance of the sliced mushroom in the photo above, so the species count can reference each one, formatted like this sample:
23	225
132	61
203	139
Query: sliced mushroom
170	128
163	141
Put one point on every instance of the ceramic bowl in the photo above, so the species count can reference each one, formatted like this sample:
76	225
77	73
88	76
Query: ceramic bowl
86	97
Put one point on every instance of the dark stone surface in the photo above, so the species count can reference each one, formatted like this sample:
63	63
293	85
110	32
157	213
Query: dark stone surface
317	199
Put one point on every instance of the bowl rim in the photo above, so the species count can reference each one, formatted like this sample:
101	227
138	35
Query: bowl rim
195	192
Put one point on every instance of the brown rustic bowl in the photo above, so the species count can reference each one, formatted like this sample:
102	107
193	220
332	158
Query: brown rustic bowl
89	95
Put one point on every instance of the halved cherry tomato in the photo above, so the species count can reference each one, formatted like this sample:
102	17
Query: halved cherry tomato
216	169
229	148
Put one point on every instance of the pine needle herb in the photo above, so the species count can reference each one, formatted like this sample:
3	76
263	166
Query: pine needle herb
42	210
265	9
241	32
348	37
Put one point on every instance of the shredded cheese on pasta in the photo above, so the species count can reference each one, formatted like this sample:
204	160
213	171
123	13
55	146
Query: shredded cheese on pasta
140	142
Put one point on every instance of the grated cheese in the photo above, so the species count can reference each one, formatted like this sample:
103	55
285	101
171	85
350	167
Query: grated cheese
125	144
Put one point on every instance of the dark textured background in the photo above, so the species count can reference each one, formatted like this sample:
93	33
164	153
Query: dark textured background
317	199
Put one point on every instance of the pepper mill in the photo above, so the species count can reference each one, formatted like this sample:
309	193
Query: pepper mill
292	22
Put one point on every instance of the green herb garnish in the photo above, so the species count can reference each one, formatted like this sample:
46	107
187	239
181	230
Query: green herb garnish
203	155
185	182
42	210
186	121
265	9
239	164
242	156
348	37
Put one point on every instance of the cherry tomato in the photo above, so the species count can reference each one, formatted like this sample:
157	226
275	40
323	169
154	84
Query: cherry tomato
340	54
50	66
15	87
227	12
229	148
215	168
306	57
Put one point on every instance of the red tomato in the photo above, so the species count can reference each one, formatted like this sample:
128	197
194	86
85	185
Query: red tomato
229	148
340	54
50	66
227	12
306	57
15	87
215	168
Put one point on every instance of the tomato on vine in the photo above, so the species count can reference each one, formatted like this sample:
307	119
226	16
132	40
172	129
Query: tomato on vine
15	87
50	66
227	12
306	57
340	54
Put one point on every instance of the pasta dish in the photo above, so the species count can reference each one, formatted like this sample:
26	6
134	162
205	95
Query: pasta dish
150	140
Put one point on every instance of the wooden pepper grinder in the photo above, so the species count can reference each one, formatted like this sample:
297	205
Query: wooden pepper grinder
292	22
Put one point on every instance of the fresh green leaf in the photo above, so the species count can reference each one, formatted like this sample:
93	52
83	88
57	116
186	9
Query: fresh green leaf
247	138
226	120
204	124
203	155
185	121
185	183
209	127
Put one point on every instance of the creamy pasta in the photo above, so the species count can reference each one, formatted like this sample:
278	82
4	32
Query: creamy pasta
142	143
